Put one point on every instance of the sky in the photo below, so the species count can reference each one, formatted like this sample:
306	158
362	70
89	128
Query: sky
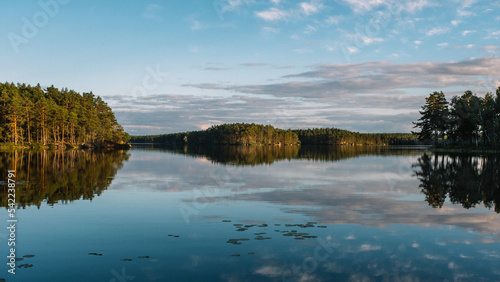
176	66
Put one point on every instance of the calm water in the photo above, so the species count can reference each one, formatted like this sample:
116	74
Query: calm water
253	214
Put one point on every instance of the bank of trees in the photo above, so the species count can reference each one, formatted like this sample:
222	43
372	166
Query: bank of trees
30	114
335	136
467	120
256	134
226	134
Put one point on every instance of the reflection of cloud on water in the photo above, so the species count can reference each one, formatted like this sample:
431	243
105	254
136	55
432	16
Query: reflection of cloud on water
353	191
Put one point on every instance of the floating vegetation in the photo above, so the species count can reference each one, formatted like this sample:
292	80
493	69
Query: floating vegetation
251	253
294	233
143	257
235	255
126	259
95	254
226	220
176	236
17	259
28	256
25	265
236	241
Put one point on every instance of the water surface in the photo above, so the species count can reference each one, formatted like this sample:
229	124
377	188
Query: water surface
254	214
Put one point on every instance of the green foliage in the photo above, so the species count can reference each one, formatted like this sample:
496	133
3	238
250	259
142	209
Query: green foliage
29	114
433	122
334	136
226	134
256	134
470	120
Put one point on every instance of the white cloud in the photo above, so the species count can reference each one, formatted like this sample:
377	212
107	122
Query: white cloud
414	6
455	22
272	14
310	8
444	44
361	6
275	2
470	46
417	42
437	31
491	48
370	40
352	49
334	19
465	32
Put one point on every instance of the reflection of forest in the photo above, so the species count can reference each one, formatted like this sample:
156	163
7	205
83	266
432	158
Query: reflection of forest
465	179
260	155
54	176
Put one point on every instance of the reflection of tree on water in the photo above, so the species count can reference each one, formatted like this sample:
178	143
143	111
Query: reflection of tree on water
59	175
260	155
468	180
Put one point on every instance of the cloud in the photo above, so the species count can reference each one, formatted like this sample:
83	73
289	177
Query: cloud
334	20
303	9
437	31
490	48
361	6
374	96
327	81
310	8
272	14
465	32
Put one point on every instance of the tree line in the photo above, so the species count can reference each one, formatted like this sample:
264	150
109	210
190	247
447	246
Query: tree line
256	134
36	116
334	136
226	134
468	120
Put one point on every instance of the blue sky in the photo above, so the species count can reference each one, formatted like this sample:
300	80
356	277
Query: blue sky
170	66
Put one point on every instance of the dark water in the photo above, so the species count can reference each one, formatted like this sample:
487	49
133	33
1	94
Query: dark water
253	214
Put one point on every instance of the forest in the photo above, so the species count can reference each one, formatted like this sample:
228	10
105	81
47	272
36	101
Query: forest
225	134
32	116
468	120
256	134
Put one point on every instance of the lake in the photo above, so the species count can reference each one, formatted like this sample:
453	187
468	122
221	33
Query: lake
252	214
